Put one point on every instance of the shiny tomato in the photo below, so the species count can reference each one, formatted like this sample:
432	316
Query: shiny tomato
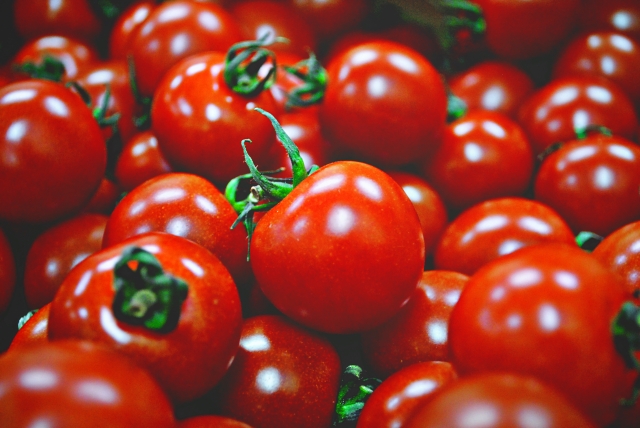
139	161
56	251
176	310
52	152
77	384
330	18
283	376
385	104
495	228
592	183
498	400
104	198
545	311
210	421
418	332
125	26
34	330
622	16
7	272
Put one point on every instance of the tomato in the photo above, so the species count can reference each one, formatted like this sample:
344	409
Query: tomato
545	311
498	400
483	155
603	53
342	252
199	120
330	18
392	403
525	29
7	272
622	16
56	251
592	183
139	161
385	104
203	329
175	30
495	228
210	421
104	198
283	375
184	205
52	152
34	330
555	111
125	26
492	85
72	18
620	252
78	384
418	332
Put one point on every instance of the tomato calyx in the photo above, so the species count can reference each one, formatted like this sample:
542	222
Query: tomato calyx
456	107
51	68
314	77
626	338
583	133
355	389
26	317
588	241
245	61
146	295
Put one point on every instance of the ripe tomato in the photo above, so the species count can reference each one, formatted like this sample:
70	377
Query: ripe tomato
498	400
283	376
342	252
418	332
330	18
52	152
622	16
545	311
210	421
139	161
56	251
77	384
392	403
7	272
34	330
189	359
125	26
385	104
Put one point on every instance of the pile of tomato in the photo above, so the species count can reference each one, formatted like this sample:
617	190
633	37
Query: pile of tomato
315	213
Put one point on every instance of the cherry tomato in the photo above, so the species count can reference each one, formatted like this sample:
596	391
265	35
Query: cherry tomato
495	228
392	403
204	328
280	367
139	161
545	311
34	330
78	384
7	272
104	198
592	183
330	18
342	252
210	421
484	155
385	104
126	25
52	152
498	400
418	332
622	16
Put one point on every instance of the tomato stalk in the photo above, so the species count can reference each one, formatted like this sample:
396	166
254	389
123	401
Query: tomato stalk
588	241
50	68
355	389
314	77
626	339
146	295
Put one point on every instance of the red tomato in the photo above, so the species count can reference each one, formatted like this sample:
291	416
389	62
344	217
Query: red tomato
492	85
210	421
126	25
392	403
175	30
139	161
7	272
498	400
283	376
52	152
385	104
330	18
77	384
104	198
545	311
622	16
184	205
199	121
484	155
34	330
418	332
592	183
554	112
342	252
525	29
495	228
187	360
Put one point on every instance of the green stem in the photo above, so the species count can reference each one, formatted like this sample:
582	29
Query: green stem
355	389
51	68
243	64
588	241
313	88
626	338
583	133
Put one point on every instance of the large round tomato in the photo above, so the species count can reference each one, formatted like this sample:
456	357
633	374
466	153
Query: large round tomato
52	152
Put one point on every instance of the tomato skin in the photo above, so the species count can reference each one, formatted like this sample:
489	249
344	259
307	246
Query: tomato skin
35	330
500	400
495	228
186	361
139	161
554	112
126	25
210	421
184	205
418	332
52	150
622	16
175	30
56	251
385	104
327	254
279	367
104	198
7	272
330	18
203	137
592	183
553	297
483	155
75	383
